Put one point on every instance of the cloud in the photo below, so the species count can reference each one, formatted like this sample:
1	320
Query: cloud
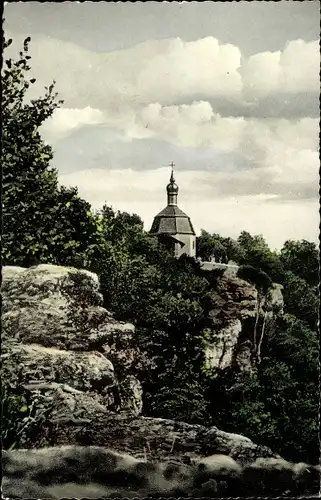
292	70
66	120
237	127
184	69
172	70
233	156
265	166
191	125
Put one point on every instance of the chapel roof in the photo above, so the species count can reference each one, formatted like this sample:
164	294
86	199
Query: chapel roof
172	220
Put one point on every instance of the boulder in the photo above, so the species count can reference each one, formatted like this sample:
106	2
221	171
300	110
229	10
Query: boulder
57	337
91	472
160	439
36	309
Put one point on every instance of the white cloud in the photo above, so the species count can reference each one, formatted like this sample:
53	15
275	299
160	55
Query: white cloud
279	157
65	120
170	70
293	70
283	151
299	62
166	90
186	69
192	125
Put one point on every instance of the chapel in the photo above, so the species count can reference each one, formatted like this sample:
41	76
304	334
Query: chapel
172	226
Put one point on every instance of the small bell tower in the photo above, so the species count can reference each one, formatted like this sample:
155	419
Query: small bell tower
172	226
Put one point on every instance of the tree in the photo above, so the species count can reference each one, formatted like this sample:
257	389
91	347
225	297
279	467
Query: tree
180	397
290	376
223	249
255	251
302	258
204	246
301	299
41	222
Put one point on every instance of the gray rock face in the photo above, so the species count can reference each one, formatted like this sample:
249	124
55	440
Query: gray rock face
234	307
219	354
159	439
63	358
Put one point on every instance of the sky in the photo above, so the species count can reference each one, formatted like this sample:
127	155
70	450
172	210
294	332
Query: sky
228	91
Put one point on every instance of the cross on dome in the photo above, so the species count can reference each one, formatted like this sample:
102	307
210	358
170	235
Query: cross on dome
172	188
172	164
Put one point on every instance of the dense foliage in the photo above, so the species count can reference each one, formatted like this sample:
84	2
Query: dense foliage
167	299
42	222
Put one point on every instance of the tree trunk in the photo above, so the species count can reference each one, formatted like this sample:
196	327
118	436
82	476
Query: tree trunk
258	305
258	356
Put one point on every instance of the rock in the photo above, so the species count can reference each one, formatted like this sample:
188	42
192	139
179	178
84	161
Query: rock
243	358
275	301
134	402
91	472
36	311
276	476
220	464
234	302
160	439
230	322
219	354
55	338
77	471
81	370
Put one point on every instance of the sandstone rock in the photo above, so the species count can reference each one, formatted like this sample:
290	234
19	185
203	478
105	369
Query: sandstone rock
222	464
36	311
81	370
50	342
232	299
234	310
158	438
277	476
243	357
219	354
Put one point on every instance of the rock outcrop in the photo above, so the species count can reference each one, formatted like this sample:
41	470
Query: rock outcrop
95	472
61	346
231	321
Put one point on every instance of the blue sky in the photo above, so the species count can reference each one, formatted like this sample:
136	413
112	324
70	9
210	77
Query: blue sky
227	90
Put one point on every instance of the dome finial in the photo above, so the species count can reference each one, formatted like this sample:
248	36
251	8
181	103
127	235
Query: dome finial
172	188
172	179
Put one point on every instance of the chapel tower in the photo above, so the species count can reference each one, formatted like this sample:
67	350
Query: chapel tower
172	226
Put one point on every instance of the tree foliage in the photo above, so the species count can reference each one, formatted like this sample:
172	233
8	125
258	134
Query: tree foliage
41	221
302	259
246	249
